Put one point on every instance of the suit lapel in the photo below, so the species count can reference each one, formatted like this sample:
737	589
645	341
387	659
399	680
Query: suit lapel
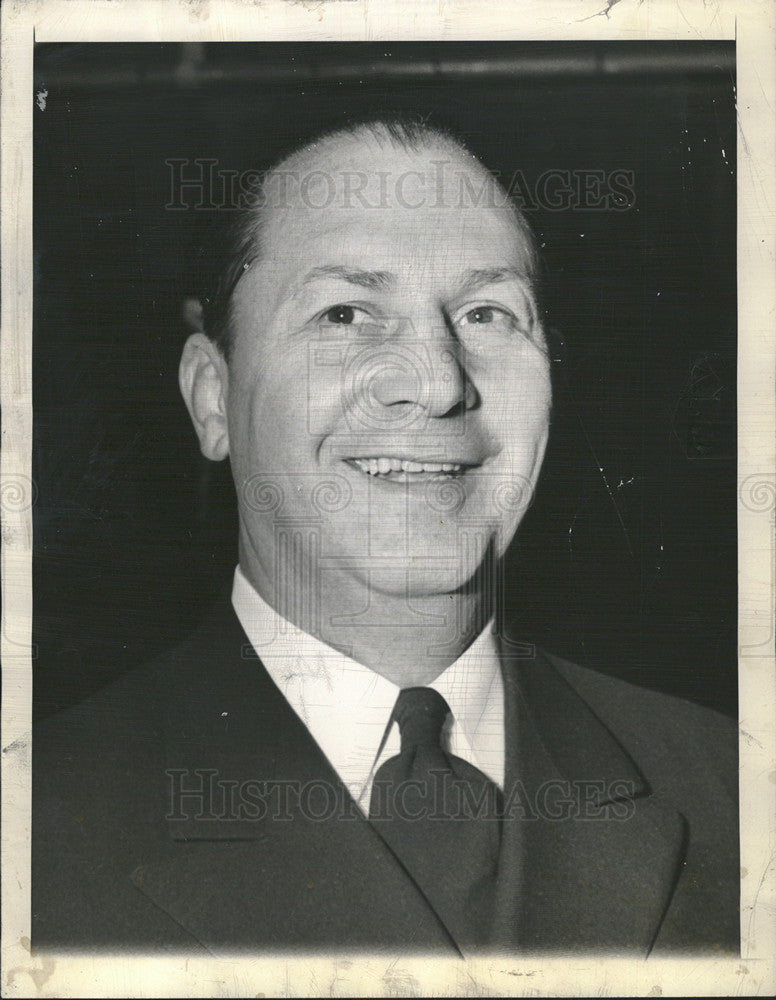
266	847
589	859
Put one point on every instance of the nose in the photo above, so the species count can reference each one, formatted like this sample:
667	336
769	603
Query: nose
424	369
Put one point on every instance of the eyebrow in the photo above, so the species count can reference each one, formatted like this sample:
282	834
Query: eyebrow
491	276
354	276
376	280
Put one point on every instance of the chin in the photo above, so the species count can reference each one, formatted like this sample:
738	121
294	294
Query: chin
416	577
431	583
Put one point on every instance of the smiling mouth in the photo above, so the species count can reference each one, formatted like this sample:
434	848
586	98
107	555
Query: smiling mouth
404	470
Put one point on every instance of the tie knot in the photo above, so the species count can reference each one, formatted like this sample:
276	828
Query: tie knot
420	713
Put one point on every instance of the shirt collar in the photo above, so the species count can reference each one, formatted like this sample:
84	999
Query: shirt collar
345	704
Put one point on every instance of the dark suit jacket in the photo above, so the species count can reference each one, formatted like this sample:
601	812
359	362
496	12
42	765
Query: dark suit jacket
649	863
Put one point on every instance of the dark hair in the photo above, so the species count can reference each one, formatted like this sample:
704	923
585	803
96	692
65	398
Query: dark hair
229	243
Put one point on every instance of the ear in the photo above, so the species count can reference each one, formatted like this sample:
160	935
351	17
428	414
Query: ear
203	379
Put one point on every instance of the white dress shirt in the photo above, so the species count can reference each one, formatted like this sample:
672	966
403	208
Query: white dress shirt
346	706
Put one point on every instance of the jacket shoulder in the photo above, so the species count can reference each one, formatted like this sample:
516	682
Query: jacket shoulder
141	701
667	736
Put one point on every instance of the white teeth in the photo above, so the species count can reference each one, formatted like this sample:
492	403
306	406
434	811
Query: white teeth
382	466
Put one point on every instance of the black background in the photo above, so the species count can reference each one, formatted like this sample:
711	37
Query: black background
627	560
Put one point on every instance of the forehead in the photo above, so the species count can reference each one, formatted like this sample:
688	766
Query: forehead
353	197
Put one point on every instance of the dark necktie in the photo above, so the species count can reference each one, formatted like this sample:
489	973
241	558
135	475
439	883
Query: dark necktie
440	816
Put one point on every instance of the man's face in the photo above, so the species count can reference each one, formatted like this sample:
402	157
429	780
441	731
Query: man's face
388	394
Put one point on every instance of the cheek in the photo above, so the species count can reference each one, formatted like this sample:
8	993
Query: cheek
329	389
256	408
518	400
282	405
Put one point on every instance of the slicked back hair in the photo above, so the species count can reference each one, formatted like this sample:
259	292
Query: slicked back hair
229	243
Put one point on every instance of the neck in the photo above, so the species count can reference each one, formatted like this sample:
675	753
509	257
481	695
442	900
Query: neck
409	639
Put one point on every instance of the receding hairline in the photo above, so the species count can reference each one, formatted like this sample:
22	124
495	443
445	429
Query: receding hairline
414	138
411	139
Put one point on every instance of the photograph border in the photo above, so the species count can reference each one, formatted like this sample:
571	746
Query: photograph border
752	23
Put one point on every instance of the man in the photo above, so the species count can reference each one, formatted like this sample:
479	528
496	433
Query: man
348	754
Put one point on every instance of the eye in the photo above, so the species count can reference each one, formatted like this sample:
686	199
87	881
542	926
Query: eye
342	315
357	320
345	315
495	317
482	314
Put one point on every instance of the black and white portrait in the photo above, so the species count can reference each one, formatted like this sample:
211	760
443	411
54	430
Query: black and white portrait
386	502
398	724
